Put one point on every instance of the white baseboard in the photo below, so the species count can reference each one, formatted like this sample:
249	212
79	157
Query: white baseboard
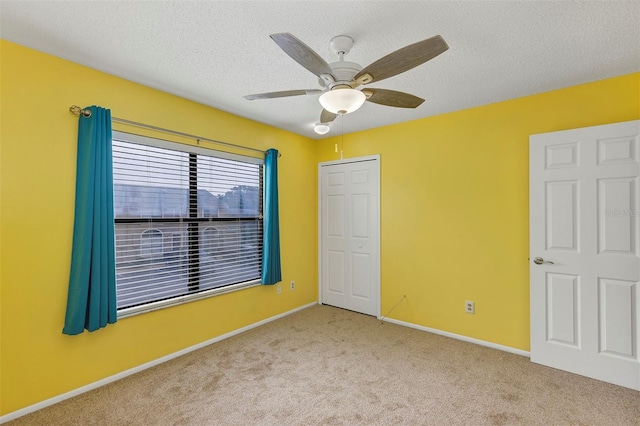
460	337
40	405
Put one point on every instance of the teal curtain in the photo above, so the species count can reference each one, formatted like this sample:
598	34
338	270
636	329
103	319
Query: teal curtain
91	301
271	269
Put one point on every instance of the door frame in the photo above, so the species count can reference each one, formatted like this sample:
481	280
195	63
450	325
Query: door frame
377	286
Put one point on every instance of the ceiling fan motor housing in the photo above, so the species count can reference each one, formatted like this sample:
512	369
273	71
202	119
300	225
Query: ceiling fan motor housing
342	71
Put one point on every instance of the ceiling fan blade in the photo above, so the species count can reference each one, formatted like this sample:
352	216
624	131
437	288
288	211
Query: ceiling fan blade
402	60
302	53
283	94
392	98
327	117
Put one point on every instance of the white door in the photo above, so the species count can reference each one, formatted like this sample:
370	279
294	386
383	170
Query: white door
349	234
584	227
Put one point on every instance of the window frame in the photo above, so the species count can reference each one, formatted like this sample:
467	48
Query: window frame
191	149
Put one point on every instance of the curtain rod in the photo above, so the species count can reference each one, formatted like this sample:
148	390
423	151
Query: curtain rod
76	110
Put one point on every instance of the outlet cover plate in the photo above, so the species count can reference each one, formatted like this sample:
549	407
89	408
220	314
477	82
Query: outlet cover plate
470	307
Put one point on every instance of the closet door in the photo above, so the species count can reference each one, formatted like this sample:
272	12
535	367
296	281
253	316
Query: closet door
350	234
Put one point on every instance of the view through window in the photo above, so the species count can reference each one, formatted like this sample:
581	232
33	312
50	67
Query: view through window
187	220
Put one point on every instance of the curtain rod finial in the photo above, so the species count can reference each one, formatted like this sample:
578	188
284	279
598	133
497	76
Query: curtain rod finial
76	110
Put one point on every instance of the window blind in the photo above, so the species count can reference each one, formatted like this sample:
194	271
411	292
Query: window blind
187	220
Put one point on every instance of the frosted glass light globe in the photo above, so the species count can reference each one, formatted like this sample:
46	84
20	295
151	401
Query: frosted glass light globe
342	101
321	128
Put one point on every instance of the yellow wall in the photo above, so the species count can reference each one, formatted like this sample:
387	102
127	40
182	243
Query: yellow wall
38	145
455	209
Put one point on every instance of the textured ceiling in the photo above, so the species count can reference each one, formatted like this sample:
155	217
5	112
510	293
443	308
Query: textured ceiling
215	52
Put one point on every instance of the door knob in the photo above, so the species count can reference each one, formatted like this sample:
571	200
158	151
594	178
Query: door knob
540	261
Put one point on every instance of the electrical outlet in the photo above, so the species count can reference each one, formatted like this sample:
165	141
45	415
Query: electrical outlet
292	286
470	307
278	289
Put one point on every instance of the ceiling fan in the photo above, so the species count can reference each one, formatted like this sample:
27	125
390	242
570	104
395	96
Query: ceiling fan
340	80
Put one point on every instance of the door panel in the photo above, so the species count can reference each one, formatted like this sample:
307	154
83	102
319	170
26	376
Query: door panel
360	207
563	322
336	178
584	223
349	235
336	272
561	156
616	201
361	275
335	204
562	215
617	150
617	310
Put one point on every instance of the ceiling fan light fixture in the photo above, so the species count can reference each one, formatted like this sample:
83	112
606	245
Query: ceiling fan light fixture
321	128
342	101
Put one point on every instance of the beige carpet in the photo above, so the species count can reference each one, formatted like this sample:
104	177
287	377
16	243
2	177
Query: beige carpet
327	366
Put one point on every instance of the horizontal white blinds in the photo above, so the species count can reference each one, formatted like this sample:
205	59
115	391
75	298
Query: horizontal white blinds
185	222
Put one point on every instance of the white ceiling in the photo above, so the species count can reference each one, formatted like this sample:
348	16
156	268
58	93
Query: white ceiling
215	52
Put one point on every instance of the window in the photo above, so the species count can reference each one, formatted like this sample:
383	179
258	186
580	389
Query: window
188	221
211	240
151	243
